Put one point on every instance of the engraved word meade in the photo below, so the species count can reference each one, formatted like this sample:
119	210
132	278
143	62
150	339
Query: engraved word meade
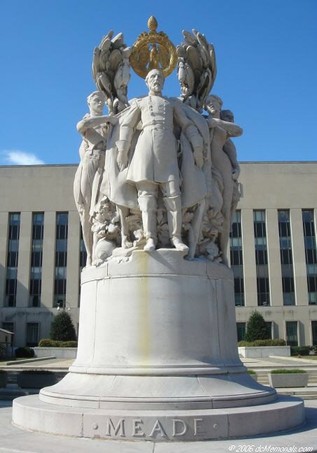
151	428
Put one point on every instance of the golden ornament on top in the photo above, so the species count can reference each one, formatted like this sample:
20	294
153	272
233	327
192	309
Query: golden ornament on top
153	50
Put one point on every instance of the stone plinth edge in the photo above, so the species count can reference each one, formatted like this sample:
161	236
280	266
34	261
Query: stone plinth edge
190	425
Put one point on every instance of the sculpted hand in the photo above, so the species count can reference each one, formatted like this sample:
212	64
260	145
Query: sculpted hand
199	156
235	174
122	160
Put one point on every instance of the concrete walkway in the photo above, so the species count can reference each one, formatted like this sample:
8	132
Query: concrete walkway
52	363
15	440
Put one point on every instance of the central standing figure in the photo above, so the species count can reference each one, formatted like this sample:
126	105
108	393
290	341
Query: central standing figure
154	163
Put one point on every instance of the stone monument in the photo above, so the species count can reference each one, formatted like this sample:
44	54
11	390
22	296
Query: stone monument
155	189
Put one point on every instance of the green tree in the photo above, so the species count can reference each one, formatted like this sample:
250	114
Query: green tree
257	328
62	328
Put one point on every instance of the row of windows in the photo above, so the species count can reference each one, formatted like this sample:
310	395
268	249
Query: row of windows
286	256
36	259
12	259
60	282
236	258
311	255
35	283
291	332
236	255
32	332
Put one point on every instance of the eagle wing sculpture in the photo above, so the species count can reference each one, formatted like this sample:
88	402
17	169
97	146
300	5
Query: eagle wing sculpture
196	68
111	70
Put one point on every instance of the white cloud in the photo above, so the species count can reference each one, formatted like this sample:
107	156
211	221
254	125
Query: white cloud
16	157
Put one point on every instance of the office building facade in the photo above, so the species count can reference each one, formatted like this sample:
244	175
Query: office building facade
273	249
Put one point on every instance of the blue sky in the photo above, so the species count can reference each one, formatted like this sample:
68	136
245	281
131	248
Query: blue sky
266	59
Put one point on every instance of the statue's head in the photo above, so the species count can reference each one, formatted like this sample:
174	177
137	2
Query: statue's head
155	81
96	102
213	104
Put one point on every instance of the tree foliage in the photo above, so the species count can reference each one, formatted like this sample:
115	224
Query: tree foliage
257	328
62	328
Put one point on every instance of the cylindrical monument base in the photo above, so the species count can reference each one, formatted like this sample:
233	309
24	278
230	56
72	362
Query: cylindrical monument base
157	356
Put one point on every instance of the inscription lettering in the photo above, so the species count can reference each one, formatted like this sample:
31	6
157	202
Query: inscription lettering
158	428
179	427
198	429
176	427
118	430
137	428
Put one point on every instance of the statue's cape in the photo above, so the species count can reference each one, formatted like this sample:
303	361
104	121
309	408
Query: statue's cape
114	182
195	182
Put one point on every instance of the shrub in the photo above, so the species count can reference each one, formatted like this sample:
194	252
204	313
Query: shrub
25	352
68	344
256	328
300	350
62	328
251	372
287	371
47	343
275	342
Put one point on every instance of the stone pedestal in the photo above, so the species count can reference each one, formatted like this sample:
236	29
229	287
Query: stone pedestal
157	359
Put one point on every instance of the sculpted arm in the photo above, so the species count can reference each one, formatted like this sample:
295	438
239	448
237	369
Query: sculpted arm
94	121
87	128
232	129
192	135
127	127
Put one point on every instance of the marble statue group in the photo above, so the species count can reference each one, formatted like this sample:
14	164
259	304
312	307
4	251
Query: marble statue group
156	172
157	356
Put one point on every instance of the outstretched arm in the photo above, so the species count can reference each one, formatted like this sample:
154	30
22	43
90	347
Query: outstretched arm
232	129
94	121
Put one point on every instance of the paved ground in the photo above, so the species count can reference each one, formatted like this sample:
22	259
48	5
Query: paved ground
267	362
14	440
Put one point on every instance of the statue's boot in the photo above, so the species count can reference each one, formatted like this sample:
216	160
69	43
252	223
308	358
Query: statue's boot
148	205
174	216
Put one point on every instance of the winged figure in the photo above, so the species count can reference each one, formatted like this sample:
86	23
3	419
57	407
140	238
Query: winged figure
196	68
111	71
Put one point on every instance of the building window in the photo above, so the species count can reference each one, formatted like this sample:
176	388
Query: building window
36	259
269	326
286	255
262	272
236	258
241	330
8	326
310	254
12	259
60	258
32	333
292	333
314	332
83	253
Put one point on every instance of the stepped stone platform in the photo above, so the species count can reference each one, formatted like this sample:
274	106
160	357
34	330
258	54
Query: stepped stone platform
147	366
22	441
